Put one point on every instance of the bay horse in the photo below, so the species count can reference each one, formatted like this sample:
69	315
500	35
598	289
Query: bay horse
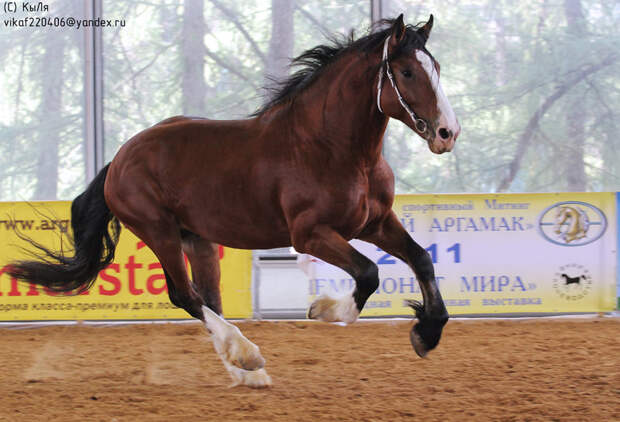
305	170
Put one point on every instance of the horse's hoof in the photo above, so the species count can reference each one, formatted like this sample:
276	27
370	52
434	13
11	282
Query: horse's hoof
237	350
251	363
252	379
426	333
329	309
316	309
245	355
324	308
418	344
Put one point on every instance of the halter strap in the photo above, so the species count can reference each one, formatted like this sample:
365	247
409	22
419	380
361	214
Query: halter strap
420	124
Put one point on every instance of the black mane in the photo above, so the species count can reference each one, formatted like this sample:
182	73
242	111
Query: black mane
313	61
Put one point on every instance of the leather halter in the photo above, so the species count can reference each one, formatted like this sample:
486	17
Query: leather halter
420	124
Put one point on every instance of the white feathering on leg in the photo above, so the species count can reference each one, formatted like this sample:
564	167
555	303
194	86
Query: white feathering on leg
254	379
331	309
236	352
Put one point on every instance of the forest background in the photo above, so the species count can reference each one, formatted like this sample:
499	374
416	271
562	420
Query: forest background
535	84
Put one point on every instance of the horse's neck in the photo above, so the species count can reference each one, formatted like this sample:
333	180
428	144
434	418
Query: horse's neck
341	113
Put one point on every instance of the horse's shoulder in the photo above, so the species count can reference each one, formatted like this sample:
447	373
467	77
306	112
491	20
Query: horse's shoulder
380	189
381	177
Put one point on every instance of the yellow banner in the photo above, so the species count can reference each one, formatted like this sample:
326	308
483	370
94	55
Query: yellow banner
133	287
498	254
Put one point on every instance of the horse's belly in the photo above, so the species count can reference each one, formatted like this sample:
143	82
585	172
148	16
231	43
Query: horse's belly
239	226
247	237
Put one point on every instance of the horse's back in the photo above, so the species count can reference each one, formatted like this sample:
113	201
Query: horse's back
180	149
180	118
197	168
181	138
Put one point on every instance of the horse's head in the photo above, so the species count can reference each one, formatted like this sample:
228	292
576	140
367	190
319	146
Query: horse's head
415	96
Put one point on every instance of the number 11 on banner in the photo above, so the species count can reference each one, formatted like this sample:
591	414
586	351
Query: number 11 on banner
454	251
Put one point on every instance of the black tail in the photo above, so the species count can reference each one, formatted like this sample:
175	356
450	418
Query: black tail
94	241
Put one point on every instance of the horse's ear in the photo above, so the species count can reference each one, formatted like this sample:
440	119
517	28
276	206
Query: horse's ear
398	31
425	31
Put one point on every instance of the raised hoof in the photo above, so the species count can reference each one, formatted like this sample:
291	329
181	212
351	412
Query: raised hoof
420	346
322	309
330	309
425	335
417	343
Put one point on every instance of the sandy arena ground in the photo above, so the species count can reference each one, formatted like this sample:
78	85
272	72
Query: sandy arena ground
521	370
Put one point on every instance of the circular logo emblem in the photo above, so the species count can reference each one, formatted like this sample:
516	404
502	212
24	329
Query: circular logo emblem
572	223
572	282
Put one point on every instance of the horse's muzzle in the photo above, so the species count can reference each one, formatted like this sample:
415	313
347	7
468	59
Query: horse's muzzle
444	139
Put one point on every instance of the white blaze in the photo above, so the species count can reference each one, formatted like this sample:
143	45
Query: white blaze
447	118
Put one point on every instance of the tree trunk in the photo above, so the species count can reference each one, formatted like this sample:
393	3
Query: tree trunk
573	157
50	115
193	50
500	49
77	41
282	40
610	157
573	153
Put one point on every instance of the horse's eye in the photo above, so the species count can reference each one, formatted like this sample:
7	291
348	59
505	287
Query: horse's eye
406	73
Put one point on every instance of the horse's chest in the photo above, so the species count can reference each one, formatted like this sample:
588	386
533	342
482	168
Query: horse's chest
346	203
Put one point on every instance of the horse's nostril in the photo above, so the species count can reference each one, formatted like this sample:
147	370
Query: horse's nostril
444	133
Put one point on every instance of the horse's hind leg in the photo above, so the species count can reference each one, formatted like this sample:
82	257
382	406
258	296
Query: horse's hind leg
164	240
203	256
241	357
142	213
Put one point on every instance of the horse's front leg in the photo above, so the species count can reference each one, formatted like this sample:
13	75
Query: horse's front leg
326	244
392	237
